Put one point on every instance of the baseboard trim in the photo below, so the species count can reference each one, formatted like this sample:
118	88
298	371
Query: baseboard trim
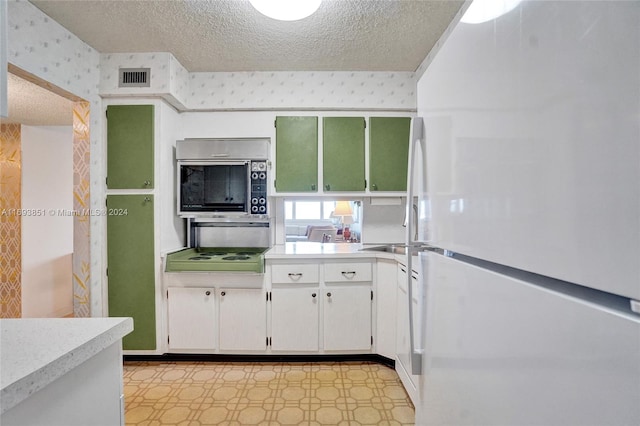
261	358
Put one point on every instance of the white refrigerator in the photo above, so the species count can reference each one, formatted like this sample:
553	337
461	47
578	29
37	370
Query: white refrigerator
526	149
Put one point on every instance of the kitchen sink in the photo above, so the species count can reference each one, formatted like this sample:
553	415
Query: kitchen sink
388	248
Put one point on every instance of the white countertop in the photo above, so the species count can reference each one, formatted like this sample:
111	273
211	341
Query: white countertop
308	250
35	352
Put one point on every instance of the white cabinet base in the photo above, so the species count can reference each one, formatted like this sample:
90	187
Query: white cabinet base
88	395
243	320
294	319
347	318
192	318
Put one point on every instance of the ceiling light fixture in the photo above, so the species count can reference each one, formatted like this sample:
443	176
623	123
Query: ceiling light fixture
485	10
286	10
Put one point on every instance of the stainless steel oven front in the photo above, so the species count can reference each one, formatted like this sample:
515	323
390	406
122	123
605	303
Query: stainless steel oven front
222	177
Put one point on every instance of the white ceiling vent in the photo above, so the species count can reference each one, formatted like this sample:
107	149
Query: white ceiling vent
134	77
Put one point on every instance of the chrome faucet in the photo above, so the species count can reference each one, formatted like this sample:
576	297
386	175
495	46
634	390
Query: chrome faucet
326	238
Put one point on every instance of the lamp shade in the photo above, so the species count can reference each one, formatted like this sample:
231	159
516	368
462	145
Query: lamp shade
343	208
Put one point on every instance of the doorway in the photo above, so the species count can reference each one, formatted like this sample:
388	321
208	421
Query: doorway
38	221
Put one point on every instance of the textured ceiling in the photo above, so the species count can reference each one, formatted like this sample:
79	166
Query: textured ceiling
32	105
230	35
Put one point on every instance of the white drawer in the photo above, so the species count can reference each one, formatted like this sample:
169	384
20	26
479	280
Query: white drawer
347	272
303	273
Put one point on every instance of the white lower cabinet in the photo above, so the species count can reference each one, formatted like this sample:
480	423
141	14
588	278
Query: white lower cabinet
192	318
347	301
243	320
321	307
295	319
347	318
385	307
314	307
403	344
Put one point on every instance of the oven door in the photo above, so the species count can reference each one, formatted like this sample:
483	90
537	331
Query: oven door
220	187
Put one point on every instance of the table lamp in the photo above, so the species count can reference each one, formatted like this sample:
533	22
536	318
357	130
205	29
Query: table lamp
345	213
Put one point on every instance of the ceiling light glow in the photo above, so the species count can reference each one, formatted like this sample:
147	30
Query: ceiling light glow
485	10
286	10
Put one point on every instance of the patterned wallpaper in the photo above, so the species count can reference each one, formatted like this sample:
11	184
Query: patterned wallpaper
81	201
260	90
10	222
178	80
317	90
42	47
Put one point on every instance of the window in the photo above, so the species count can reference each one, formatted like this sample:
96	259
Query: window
302	216
308	210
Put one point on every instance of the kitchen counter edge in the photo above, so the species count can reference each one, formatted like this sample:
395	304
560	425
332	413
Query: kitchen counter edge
37	351
306	250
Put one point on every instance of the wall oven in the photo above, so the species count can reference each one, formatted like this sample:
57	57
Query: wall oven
225	178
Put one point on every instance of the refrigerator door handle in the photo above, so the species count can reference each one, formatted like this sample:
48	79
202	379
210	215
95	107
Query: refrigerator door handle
411	239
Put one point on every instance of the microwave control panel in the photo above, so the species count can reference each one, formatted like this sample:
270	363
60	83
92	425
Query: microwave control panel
259	187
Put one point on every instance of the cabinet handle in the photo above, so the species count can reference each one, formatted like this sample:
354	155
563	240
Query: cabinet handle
349	274
223	293
313	295
374	187
295	277
146	200
147	183
208	293
328	294
327	187
313	187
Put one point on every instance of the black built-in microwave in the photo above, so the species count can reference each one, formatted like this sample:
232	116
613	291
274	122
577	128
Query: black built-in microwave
212	180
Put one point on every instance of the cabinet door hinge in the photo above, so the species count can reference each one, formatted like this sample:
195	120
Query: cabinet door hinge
371	294
365	122
167	294
107	271
275	123
168	339
106	180
371	340
106	113
268	341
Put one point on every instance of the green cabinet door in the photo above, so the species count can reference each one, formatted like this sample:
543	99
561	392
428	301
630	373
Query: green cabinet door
130	263
388	153
130	131
296	154
343	153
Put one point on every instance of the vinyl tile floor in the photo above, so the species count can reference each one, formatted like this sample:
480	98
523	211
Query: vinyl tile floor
247	393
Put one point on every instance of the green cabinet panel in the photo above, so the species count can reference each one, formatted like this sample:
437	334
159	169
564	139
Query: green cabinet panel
130	130
130	263
343	152
296	154
388	153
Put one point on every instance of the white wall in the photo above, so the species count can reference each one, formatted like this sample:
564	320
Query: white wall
47	239
382	220
172	235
